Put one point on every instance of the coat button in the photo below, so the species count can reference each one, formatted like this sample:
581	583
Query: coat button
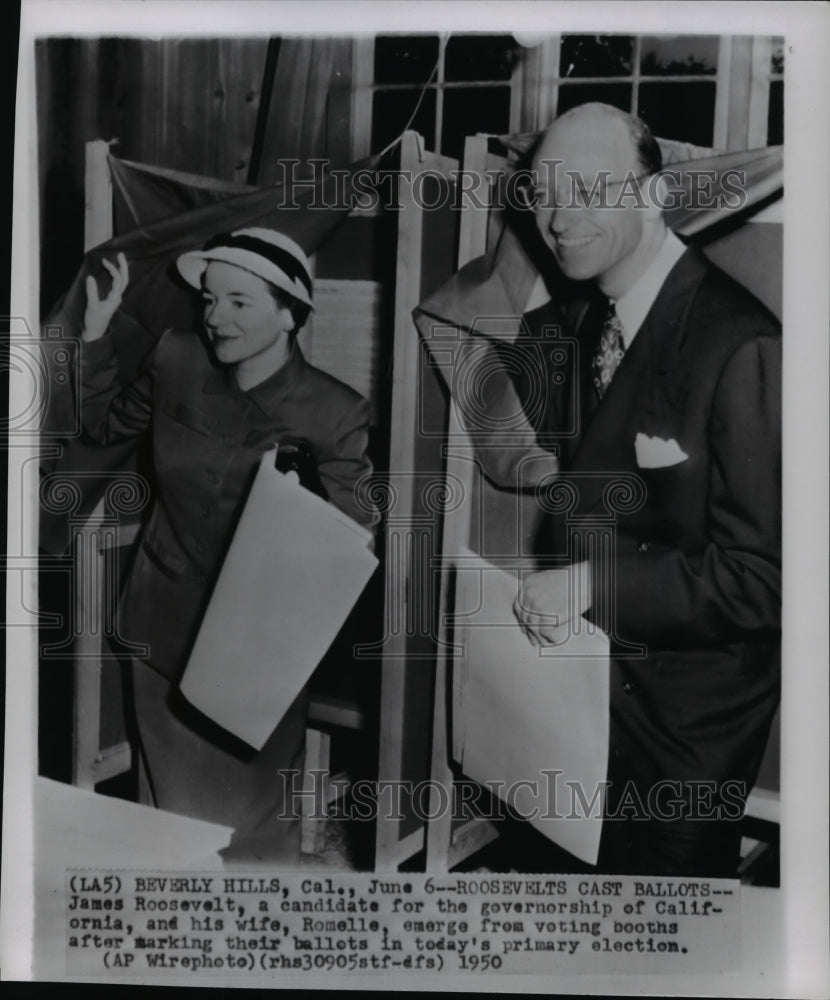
207	510
628	687
201	547
643	546
213	476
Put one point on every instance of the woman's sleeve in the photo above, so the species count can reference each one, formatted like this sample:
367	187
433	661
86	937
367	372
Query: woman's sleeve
346	464
110	413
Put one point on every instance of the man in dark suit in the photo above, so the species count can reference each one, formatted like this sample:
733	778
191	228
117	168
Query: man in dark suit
671	390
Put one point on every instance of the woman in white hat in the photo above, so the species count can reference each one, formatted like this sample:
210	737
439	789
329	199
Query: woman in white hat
214	408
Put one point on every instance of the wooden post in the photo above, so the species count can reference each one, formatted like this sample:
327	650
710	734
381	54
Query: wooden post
402	452
472	242
95	543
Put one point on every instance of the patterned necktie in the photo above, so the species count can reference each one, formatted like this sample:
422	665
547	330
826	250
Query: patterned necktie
608	353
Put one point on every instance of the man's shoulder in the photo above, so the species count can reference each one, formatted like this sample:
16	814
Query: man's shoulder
723	304
563	311
720	290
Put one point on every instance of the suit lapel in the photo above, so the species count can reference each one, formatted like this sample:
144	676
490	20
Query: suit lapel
647	393
603	444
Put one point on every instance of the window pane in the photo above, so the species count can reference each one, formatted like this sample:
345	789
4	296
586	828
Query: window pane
682	111
480	57
471	110
777	59
676	55
405	58
595	55
390	113
775	115
571	95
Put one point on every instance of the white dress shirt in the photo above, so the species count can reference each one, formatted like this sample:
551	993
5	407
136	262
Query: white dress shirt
632	308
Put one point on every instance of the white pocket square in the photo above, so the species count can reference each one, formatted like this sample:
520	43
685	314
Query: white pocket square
657	453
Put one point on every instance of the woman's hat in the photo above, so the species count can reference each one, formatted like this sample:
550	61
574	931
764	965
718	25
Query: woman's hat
264	252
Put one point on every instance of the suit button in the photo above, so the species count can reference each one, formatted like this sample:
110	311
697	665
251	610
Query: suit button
201	547
213	476
628	687
207	510
643	546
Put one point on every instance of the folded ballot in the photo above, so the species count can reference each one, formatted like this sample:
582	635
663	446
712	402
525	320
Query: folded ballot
529	722
292	575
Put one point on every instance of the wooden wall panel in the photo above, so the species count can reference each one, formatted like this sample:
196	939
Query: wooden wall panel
188	104
202	112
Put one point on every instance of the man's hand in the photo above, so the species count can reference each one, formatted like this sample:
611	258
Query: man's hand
547	601
99	312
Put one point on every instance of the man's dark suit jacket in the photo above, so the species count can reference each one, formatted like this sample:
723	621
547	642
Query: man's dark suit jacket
695	579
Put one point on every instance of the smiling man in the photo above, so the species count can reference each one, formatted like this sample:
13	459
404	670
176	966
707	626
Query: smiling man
673	374
594	158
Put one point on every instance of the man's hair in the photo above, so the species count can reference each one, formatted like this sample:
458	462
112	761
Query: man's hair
647	147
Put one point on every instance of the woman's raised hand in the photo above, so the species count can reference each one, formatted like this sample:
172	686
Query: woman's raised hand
99	311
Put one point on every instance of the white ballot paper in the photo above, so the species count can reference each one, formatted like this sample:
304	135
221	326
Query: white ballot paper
292	575
532	719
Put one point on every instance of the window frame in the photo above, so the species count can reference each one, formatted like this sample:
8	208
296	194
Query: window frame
742	88
365	88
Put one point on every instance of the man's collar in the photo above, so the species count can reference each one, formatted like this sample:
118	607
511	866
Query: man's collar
633	307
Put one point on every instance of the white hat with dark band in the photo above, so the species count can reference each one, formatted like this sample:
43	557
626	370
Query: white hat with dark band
264	252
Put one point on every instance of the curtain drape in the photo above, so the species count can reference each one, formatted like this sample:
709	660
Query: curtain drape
310	106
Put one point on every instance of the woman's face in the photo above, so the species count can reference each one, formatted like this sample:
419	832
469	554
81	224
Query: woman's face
243	321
